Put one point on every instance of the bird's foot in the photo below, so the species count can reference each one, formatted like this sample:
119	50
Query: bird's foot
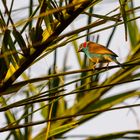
94	67
107	66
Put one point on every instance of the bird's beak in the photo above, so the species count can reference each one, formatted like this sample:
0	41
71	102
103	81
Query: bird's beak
79	50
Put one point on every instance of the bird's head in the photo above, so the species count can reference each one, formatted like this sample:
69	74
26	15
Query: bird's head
82	46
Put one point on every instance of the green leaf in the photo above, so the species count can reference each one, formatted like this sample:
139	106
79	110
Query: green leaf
105	104
10	117
27	110
123	12
21	43
113	100
116	135
15	60
76	46
57	130
44	110
133	29
4	59
63	128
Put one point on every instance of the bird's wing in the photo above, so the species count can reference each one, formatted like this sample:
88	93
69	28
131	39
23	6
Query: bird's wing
99	49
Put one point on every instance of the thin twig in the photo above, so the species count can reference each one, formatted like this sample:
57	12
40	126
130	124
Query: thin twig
65	117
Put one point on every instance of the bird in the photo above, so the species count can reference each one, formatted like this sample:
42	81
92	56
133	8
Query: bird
98	53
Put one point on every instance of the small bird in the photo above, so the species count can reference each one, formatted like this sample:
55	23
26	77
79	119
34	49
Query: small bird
98	53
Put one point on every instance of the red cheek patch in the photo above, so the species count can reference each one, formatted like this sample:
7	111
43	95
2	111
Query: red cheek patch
85	44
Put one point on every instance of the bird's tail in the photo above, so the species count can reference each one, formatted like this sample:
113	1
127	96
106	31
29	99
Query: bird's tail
119	63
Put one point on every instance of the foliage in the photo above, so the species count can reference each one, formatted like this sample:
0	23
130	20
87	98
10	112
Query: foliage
30	41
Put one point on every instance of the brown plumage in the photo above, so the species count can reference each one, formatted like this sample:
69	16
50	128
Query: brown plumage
99	49
98	53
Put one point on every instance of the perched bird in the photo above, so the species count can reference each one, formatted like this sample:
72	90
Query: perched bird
98	53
